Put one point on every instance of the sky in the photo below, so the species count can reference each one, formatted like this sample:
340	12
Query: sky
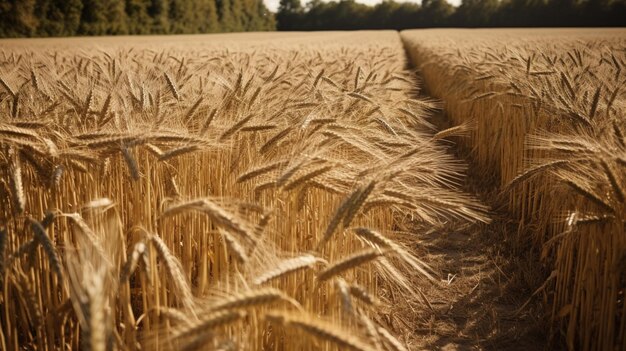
272	5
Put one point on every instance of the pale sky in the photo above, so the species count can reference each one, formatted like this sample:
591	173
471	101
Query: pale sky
272	5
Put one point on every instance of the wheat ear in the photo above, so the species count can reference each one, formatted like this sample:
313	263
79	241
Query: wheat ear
349	262
175	271
320	329
250	299
287	267
44	240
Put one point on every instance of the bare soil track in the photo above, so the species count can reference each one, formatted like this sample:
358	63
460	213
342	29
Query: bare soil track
484	301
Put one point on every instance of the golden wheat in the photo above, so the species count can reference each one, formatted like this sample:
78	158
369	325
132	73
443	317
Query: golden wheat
547	108
206	186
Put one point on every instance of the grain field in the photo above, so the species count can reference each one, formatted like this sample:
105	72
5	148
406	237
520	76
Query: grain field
217	192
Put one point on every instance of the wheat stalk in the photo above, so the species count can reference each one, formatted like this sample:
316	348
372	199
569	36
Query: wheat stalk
319	329
613	180
139	249
169	154
208	322
16	183
172	86
250	299
4	240
285	267
44	240
358	199
349	262
275	139
175	271
384	242
394	344
234	246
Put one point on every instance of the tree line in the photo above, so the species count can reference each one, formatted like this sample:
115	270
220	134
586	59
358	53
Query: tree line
43	18
348	14
28	18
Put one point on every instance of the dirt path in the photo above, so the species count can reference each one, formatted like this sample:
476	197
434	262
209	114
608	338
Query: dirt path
486	278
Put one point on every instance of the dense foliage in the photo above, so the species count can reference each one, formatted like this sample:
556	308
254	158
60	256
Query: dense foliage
27	18
348	14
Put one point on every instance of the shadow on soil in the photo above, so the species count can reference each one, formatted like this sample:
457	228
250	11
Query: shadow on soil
486	279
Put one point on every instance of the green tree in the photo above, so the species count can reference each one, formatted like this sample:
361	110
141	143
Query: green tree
227	22
405	16
269	20
139	21
290	13
239	19
181	17
476	13
435	13
93	19
206	20
348	14
100	17
158	13
315	17
23	18
18	18
383	13
58	17
116	15
251	18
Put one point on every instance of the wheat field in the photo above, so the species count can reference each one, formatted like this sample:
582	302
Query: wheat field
232	193
548	111
281	191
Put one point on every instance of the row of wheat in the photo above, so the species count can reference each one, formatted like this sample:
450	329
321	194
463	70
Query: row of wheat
198	196
549	110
